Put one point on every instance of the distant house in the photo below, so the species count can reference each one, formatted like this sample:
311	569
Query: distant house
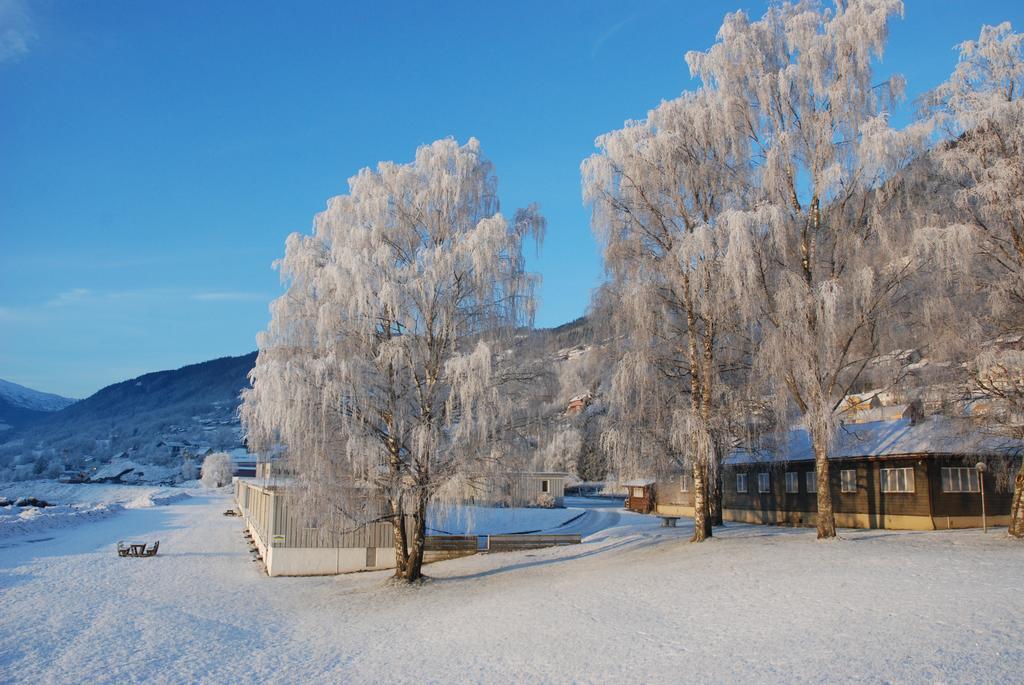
577	404
243	463
518	489
911	473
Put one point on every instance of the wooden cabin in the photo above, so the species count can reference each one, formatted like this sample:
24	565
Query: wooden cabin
915	474
641	496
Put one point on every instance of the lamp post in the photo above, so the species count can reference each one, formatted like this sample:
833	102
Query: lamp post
980	466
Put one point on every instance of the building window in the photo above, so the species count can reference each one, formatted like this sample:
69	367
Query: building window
898	480
792	482
763	482
684	483
638	492
741	482
545	486
848	480
812	481
959	479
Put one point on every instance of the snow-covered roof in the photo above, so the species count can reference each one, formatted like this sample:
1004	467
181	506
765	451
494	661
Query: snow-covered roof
242	454
639	483
935	435
874	414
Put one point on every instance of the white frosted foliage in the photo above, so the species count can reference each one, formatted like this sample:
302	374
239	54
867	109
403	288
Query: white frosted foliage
378	372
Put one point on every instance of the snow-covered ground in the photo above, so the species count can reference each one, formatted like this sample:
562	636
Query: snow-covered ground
634	603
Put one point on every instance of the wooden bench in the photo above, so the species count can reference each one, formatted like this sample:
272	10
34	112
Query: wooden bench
440	547
668	521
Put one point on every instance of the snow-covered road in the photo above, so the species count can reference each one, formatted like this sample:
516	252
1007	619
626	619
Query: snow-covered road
598	514
634	603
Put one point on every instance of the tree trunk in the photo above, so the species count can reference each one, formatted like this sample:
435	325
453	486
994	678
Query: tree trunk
715	501
400	537
826	516
1017	507
701	515
414	565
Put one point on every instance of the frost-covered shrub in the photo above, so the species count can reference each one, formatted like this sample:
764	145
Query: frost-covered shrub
217	470
544	500
188	470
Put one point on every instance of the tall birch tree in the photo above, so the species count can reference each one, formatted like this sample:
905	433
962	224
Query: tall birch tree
980	111
656	188
385	371
815	263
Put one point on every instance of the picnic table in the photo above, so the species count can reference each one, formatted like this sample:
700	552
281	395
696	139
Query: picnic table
136	549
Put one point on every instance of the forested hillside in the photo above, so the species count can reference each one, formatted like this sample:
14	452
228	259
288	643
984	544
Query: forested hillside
152	419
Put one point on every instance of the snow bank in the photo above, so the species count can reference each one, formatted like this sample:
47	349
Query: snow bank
15	521
75	503
158	498
79	493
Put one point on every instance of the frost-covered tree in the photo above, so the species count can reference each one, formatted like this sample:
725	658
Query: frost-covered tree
188	467
561	450
657	188
386	371
814	256
217	470
980	110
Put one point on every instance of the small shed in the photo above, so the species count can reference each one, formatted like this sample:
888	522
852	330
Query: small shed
640	495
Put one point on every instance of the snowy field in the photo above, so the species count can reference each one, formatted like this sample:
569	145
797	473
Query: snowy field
634	603
74	504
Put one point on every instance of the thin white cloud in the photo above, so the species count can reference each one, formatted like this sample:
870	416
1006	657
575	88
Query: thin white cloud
16	30
85	298
604	37
69	297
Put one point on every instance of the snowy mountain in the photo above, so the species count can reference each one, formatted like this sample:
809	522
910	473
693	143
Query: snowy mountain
20	405
27	398
159	418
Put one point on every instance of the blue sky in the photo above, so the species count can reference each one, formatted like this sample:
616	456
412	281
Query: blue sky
156	155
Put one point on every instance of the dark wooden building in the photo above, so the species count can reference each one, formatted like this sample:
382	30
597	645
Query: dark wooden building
904	474
640	496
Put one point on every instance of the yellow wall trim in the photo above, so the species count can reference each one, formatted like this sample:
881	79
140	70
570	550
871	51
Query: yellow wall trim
674	510
947	522
843	519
